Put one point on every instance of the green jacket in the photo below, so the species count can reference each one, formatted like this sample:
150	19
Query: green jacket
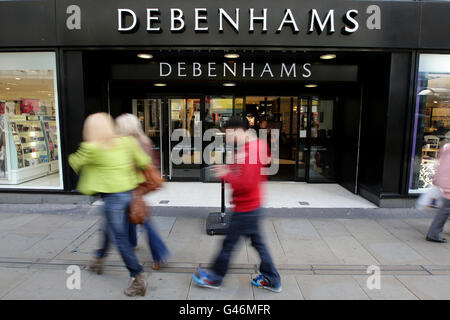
109	170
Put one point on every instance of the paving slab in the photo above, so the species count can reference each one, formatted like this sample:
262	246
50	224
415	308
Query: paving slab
366	229
329	227
401	230
295	229
390	289
330	287
45	223
393	252
43	284
433	252
349	251
20	241
12	277
188	226
291	290
308	252
167	286
107	286
234	287
428	287
14	222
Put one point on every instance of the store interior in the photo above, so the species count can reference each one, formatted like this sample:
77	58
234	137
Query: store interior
29	154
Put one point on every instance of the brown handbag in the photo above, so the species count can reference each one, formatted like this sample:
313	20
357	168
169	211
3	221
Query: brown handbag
138	209
153	180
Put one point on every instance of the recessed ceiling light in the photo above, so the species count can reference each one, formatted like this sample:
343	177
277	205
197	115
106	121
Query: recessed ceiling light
18	78
8	88
160	84
145	55
229	84
311	85
328	56
231	55
435	101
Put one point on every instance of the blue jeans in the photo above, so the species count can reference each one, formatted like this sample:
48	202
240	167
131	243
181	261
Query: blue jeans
245	224
437	226
116	214
157	247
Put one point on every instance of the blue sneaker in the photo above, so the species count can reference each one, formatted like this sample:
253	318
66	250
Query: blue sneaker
261	282
203	279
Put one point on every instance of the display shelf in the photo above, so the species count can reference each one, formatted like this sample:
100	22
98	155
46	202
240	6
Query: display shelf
31	150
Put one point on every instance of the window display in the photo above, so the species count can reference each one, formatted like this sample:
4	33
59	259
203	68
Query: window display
29	140
432	121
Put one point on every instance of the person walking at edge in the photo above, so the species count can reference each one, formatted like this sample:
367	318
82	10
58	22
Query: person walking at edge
107	164
442	180
246	181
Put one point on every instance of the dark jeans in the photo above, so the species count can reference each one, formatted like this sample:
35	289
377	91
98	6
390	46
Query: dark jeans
158	249
245	224
437	226
116	215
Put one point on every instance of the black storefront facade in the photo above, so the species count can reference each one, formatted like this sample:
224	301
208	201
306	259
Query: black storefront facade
357	89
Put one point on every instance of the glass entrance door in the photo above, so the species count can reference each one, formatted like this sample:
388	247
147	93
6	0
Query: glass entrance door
185	135
316	143
148	112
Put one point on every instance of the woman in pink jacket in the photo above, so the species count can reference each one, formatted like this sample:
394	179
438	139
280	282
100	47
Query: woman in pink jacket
442	180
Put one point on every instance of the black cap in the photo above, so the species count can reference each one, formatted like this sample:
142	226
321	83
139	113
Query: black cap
237	123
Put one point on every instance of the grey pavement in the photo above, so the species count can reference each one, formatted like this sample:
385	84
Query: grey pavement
320	254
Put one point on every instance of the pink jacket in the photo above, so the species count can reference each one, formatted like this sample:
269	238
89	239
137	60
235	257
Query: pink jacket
442	175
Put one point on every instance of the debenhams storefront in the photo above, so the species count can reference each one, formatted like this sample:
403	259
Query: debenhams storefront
359	90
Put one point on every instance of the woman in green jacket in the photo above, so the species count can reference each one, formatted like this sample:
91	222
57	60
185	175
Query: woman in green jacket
107	166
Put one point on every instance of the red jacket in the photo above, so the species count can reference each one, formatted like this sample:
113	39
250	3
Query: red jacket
246	179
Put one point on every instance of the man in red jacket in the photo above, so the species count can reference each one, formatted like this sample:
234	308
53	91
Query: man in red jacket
246	180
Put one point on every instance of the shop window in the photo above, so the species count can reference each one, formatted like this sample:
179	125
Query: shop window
30	136
432	118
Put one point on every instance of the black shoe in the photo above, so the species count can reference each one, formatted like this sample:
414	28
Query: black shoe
440	240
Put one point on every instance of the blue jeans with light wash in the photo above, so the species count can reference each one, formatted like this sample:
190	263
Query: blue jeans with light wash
158	249
441	217
245	224
116	215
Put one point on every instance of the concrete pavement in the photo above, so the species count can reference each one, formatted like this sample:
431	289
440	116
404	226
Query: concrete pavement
322	254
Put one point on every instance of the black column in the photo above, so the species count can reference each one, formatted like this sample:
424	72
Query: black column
397	123
73	106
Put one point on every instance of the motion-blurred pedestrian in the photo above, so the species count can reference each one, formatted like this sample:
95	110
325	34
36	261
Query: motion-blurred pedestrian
107	164
442	180
246	181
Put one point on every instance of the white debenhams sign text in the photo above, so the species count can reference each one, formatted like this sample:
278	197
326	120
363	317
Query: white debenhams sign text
234	70
315	20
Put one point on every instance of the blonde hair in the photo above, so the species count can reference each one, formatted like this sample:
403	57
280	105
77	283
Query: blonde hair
128	124
99	128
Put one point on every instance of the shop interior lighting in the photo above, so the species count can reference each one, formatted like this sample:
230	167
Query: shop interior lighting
231	55
229	84
328	56
18	78
145	55
160	84
311	85
8	88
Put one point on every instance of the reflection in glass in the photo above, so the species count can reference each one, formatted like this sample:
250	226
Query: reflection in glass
432	119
